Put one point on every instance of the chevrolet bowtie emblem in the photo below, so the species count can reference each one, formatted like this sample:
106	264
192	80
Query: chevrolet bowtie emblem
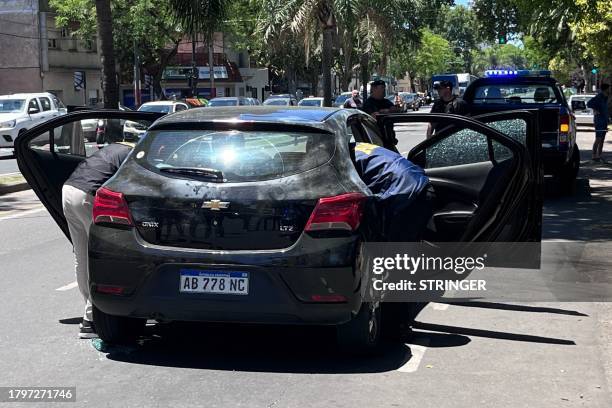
215	205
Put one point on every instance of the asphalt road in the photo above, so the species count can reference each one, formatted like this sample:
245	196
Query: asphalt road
483	355
7	165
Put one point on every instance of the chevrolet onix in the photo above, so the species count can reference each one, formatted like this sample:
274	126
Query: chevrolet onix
257	214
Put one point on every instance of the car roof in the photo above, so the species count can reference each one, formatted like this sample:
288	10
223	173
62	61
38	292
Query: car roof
314	98
26	95
228	97
261	113
161	103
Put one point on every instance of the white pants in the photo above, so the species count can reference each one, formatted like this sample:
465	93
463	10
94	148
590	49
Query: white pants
78	206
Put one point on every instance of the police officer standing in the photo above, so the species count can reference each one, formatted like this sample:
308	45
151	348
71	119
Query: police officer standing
447	103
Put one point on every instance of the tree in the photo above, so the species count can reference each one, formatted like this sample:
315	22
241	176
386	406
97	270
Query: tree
152	30
457	26
201	17
109	72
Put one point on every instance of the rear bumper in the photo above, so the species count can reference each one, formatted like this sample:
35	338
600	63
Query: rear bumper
553	160
281	283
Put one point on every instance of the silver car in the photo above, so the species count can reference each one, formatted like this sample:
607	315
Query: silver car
584	114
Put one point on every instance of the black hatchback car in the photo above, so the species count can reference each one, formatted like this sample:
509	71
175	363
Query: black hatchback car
257	214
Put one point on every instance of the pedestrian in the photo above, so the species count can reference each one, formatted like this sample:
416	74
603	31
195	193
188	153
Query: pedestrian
377	103
77	203
599	104
447	103
354	101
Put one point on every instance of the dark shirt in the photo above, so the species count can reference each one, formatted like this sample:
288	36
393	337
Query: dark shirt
372	105
599	103
95	170
388	174
455	106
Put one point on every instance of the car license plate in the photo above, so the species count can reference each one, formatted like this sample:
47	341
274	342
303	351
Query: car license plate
217	282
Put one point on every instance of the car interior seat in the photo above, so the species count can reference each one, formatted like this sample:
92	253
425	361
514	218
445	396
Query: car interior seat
541	95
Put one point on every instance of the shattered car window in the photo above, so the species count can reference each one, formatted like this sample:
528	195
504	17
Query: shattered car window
463	147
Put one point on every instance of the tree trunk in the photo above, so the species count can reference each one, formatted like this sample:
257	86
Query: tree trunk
211	64
327	62
109	72
364	63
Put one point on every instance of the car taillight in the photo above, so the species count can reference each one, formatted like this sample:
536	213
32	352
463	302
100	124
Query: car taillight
341	212
564	122
110	289
111	207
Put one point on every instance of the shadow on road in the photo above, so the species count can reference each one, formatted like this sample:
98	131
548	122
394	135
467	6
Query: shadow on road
519	308
492	334
584	216
263	349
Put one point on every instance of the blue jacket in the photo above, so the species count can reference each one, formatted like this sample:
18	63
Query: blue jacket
388	174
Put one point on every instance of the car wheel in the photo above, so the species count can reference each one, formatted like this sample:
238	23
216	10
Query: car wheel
566	178
362	334
117	329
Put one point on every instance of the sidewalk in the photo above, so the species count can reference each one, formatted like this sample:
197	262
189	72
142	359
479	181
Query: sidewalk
11	183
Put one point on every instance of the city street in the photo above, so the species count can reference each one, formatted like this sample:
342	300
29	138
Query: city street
476	354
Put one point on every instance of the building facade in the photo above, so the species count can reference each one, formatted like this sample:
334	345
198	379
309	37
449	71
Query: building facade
35	56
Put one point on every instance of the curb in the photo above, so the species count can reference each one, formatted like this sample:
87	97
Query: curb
14	188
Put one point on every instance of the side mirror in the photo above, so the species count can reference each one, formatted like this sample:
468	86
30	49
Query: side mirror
33	110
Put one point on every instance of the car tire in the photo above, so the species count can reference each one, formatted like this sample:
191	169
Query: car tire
566	178
362	334
117	329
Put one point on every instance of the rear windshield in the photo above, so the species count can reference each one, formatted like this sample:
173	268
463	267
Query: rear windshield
222	102
239	156
310	102
155	108
277	101
516	93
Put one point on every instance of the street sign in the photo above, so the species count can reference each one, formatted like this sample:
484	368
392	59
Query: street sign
80	81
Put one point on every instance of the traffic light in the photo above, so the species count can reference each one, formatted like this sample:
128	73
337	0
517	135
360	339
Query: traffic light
501	38
594	70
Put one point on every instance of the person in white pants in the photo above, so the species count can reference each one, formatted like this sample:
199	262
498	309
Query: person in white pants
78	195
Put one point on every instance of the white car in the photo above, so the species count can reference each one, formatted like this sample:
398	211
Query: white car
277	101
134	130
318	102
583	114
20	112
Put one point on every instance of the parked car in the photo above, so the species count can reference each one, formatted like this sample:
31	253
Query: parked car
253	214
582	113
20	112
230	101
133	130
341	99
279	101
318	102
504	90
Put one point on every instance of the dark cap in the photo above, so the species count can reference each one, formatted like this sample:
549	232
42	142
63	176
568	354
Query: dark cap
443	84
378	82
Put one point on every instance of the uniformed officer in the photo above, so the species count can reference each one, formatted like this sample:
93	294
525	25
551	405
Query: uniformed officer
401	187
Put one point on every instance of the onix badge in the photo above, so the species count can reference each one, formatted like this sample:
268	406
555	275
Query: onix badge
215	205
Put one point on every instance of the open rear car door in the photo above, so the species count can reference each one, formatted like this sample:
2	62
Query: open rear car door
487	177
48	153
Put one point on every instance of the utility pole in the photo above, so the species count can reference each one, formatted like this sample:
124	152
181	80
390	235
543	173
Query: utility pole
137	95
194	68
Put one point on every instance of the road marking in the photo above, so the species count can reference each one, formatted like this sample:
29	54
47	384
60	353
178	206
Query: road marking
22	213
69	286
439	306
417	352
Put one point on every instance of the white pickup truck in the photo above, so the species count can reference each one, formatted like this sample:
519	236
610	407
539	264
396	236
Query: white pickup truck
20	112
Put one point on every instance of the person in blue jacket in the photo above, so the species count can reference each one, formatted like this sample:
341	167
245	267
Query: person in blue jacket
401	188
